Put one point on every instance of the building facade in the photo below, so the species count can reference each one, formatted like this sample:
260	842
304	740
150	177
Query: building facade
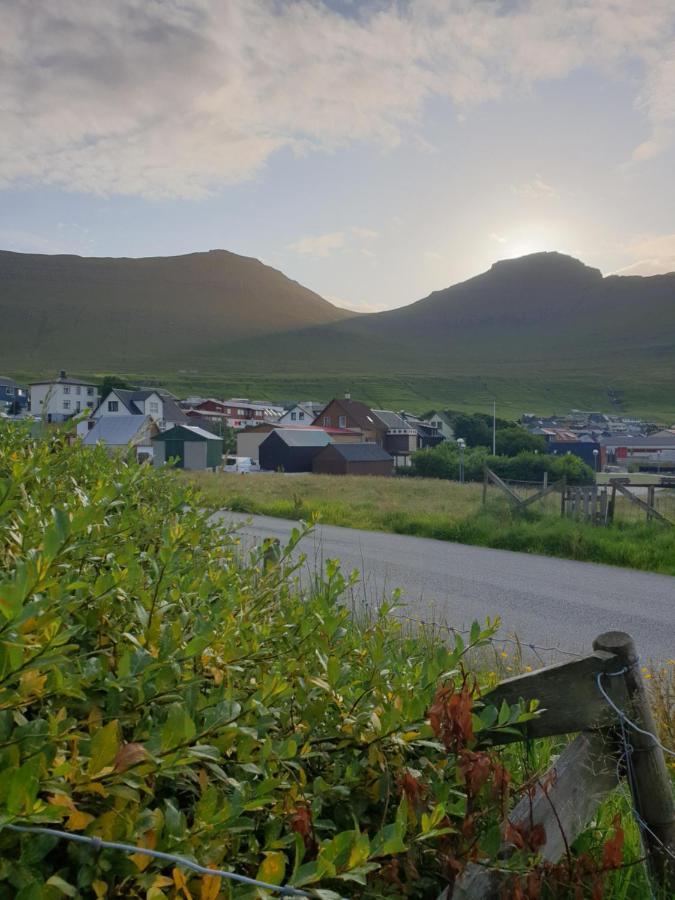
62	398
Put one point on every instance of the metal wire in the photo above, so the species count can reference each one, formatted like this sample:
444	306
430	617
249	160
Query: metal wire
622	715
182	861
502	640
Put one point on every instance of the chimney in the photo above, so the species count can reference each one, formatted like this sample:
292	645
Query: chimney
62	375
348	396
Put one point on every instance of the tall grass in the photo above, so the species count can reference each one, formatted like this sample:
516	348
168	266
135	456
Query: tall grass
443	510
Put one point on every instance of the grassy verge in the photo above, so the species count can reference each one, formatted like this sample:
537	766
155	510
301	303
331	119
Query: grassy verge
439	509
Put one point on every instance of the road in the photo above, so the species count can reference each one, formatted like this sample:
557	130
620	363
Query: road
552	603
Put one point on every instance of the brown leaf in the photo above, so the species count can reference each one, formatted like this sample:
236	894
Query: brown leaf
130	755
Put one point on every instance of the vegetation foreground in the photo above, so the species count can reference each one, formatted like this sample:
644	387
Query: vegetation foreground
160	690
437	508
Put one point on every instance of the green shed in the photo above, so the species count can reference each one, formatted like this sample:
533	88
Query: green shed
192	447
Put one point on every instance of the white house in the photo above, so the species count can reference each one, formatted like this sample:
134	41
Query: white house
301	414
61	398
159	407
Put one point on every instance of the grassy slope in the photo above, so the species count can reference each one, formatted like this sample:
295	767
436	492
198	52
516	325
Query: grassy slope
439	509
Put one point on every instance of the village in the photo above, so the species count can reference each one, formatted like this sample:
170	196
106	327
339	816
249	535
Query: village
342	437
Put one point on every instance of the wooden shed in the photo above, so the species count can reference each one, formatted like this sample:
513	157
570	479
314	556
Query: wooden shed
353	459
192	447
291	449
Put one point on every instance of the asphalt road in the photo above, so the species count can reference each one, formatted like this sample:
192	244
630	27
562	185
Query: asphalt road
552	603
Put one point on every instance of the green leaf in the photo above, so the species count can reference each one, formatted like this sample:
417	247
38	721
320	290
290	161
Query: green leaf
104	746
504	713
23	787
273	868
387	842
178	729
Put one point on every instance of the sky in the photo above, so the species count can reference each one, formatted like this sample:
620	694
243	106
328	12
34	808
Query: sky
374	151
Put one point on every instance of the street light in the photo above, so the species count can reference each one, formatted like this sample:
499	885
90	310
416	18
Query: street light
461	443
595	459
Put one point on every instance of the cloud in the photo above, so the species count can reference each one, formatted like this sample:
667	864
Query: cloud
655	255
355	240
180	97
320	245
498	237
536	189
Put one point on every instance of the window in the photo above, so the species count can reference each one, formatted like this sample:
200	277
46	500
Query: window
241	412
66	404
342	422
78	390
293	417
326	421
301	415
154	406
66	388
90	392
113	405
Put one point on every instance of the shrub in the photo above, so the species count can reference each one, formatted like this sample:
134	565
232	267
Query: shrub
159	689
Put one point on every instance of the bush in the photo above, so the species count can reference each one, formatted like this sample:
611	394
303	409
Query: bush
158	689
443	462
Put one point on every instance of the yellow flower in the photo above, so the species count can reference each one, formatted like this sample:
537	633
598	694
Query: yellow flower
504	654
528	668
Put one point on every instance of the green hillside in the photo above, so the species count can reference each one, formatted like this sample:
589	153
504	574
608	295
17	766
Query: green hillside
541	333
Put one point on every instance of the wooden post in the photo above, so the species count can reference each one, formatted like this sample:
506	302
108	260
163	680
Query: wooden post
485	484
563	496
545	484
603	506
650	502
587	504
612	503
650	785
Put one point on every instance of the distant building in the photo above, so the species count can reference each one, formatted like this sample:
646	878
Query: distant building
291	449
61	398
121	432
353	459
13	397
649	452
443	424
190	447
301	414
250	439
161	408
236	413
383	427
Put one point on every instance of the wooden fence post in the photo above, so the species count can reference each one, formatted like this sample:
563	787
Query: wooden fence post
650	502
485	484
563	496
650	785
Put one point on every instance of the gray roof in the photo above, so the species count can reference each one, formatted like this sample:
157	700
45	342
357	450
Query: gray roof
651	441
179	429
201	432
173	412
301	437
392	419
117	430
366	452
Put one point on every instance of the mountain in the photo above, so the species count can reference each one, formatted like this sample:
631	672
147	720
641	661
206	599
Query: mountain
117	314
540	332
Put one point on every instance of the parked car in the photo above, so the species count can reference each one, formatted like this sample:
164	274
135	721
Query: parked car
243	464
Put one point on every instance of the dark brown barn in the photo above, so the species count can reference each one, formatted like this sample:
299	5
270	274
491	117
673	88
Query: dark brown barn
352	459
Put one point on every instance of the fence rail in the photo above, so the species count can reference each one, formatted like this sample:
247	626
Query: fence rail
603	697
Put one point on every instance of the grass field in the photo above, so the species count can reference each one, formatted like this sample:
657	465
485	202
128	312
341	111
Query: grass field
516	389
440	509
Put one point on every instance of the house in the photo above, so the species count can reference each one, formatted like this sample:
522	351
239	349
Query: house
291	449
442	422
352	459
121	432
301	414
61	398
13	397
560	441
236	413
652	451
427	434
348	413
161	408
383	427
250	439
400	439
191	447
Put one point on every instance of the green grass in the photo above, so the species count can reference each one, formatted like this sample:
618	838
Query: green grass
444	510
516	389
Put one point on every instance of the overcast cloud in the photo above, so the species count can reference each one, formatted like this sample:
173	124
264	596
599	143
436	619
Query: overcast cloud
176	98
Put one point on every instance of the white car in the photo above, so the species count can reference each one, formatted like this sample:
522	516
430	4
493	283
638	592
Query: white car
243	464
